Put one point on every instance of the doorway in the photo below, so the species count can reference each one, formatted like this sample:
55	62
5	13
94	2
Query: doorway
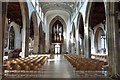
57	48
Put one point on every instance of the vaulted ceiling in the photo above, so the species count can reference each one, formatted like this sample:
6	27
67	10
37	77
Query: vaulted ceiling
66	6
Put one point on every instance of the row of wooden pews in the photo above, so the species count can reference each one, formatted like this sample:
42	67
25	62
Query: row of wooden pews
88	66
26	65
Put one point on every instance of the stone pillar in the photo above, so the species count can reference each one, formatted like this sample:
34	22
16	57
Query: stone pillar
2	26
77	43
78	48
48	38
36	42
64	45
44	46
27	42
41	48
25	30
112	37
87	41
82	47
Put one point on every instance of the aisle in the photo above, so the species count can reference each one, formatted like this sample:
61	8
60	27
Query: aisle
58	67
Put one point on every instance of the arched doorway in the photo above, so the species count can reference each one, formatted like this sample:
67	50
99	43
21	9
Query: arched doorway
34	34
57	34
100	41
80	34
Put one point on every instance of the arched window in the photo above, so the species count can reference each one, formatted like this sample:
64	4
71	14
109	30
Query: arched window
11	38
57	32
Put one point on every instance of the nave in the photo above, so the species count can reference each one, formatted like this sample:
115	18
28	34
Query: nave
80	28
56	66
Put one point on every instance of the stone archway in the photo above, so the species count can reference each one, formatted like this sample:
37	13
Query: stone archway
21	19
64	32
95	14
80	36
34	33
99	40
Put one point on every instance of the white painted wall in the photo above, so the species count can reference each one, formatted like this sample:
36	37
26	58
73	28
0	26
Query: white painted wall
99	39
92	42
49	16
18	38
17	35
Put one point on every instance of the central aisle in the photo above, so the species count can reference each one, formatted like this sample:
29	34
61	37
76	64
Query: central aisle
58	67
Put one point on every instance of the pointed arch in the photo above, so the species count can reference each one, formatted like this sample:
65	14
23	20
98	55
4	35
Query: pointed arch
80	25
19	15
35	24
51	24
63	48
99	34
34	31
95	14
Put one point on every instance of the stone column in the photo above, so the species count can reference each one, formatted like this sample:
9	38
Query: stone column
82	47
36	42
77	43
48	38
25	30
112	36
78	48
2	25
27	42
87	41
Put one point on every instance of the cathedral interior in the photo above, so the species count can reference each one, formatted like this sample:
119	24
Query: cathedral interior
59	39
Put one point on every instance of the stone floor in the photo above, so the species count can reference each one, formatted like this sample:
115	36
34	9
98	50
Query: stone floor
56	67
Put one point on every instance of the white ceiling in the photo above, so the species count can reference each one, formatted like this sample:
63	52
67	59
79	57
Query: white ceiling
65	6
